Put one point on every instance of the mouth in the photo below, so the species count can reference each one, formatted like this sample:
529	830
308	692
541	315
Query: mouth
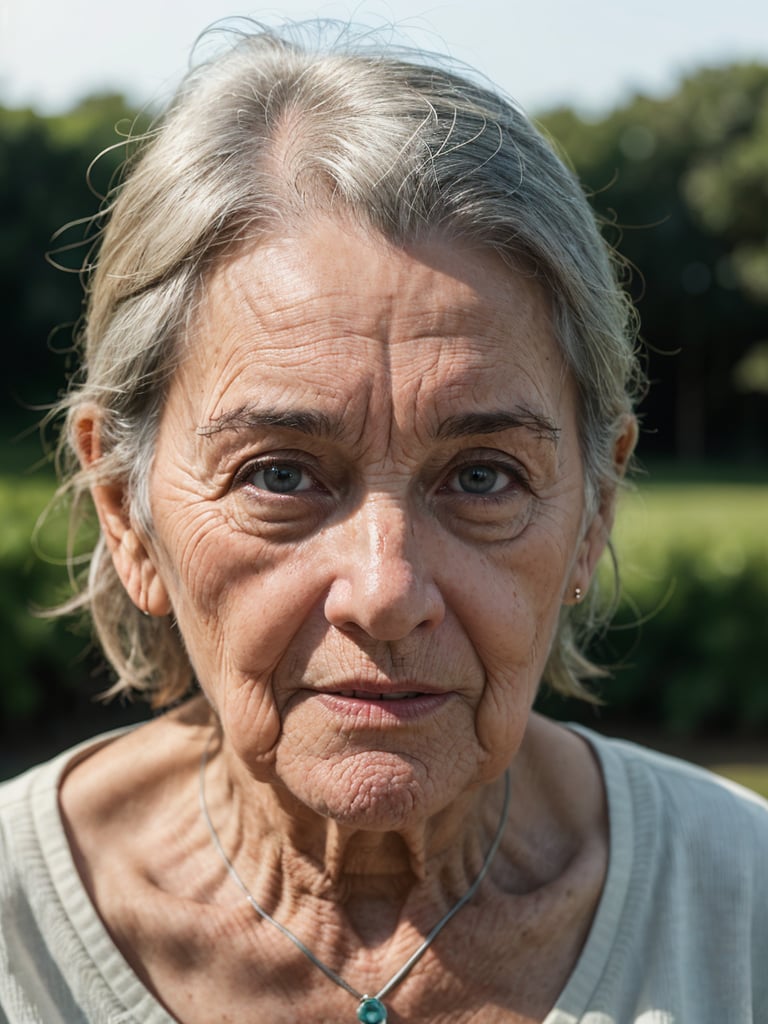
382	707
367	695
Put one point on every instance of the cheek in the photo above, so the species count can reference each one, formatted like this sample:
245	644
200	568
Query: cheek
236	601
228	588
512	663
514	618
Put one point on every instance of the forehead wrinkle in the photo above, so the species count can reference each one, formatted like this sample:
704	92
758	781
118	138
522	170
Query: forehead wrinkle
287	297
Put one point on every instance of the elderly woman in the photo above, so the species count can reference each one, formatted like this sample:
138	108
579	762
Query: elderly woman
356	398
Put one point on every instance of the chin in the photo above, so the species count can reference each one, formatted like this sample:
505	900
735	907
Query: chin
373	790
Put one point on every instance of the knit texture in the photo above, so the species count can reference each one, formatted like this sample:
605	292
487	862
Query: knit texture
680	935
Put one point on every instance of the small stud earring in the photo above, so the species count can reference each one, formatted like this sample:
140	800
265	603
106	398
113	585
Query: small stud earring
577	594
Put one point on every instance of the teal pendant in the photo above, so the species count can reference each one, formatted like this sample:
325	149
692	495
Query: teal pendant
371	1010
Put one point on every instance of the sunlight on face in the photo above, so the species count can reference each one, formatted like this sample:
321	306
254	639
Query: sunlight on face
368	506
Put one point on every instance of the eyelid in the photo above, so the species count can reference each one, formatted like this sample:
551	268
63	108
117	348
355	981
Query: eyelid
495	460
296	460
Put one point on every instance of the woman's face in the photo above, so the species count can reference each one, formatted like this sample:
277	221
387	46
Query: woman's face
368	511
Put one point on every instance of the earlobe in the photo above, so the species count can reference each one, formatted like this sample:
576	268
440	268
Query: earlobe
592	546
131	558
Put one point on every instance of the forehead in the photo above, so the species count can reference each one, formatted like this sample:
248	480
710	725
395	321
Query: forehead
334	311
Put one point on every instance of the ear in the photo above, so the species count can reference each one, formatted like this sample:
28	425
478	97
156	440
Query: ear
599	529
131	557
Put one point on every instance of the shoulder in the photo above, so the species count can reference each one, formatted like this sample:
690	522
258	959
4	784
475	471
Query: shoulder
58	963
21	799
32	839
693	825
33	926
140	770
680	784
19	796
683	923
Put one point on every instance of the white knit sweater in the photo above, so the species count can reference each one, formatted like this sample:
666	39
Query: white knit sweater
680	935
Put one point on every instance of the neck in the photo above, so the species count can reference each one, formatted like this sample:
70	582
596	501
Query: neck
285	850
345	889
260	822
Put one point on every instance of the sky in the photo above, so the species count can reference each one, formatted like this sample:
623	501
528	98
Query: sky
592	54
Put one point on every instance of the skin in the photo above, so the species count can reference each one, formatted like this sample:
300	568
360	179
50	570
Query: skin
367	483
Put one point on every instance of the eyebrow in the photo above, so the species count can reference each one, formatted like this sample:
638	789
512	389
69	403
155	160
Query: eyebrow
247	417
317	424
467	424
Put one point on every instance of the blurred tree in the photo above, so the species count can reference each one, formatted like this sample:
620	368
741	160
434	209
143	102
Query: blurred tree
682	184
44	184
727	186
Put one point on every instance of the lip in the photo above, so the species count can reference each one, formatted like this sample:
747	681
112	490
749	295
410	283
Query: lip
374	705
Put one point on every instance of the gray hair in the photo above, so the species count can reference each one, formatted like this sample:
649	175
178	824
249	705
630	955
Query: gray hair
257	138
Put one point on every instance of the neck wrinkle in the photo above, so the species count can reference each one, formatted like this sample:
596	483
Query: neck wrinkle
285	852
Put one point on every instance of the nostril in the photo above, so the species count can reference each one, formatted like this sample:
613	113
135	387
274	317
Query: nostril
387	612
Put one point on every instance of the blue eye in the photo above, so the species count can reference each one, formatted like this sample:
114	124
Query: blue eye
281	478
479	478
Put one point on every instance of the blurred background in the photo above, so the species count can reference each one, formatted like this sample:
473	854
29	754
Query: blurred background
663	112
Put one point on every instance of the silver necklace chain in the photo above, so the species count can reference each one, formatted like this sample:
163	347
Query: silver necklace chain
371	1010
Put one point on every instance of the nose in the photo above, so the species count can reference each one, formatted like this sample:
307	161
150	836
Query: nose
382	583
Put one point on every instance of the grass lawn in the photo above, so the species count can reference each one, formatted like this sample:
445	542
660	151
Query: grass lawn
753	776
723	524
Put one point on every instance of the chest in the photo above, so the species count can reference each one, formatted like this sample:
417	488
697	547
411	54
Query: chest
257	975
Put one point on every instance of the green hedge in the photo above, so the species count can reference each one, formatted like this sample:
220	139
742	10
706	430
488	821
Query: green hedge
44	662
687	650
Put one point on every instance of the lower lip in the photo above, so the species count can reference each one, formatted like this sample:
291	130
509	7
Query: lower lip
379	713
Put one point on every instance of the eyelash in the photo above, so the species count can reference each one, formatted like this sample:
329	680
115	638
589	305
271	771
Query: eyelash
244	476
517	477
512	470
